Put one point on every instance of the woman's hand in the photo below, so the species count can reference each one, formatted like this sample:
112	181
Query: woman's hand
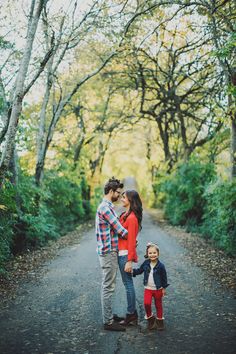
163	292
128	267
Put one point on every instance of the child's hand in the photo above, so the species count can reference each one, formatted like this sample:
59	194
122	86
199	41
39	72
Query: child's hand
163	292
128	267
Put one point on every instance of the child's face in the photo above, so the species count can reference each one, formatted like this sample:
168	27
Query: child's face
153	254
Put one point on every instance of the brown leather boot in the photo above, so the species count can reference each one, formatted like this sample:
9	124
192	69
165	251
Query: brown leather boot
160	324
117	318
130	319
151	323
114	326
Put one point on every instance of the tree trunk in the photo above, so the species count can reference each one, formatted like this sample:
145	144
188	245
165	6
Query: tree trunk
19	90
40	164
4	112
41	130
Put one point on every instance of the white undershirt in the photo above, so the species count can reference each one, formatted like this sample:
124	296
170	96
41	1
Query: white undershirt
150	284
123	253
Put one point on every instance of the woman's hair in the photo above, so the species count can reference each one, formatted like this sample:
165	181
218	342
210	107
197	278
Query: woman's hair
135	205
149	245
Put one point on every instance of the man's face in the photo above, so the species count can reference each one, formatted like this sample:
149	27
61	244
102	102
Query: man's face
115	195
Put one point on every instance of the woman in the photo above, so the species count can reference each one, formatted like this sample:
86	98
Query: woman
131	220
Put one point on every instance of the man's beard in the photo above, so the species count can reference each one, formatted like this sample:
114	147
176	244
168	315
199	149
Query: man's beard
114	199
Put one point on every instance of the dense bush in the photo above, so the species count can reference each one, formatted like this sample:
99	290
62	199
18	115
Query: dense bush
183	191
96	199
191	196
7	221
65	201
220	215
30	216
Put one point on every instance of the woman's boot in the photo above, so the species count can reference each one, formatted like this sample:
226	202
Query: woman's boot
151	323
130	319
160	324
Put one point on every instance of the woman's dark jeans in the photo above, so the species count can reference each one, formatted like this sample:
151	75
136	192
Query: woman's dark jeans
127	279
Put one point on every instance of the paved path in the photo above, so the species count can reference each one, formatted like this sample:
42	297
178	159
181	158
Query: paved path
61	313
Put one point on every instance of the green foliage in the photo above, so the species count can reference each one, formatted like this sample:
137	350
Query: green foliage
158	187
64	201
96	199
4	44
30	216
192	197
182	192
33	224
185	201
7	220
229	47
219	221
85	192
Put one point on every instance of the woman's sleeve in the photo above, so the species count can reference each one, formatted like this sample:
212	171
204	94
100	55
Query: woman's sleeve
132	235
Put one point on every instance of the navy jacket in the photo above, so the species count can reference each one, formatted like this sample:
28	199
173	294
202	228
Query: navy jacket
159	273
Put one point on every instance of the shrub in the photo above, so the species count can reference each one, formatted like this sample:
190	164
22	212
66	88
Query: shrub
30	216
96	199
219	221
35	225
64	200
184	198
7	221
159	190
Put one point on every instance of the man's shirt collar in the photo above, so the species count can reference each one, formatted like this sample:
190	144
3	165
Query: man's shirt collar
108	202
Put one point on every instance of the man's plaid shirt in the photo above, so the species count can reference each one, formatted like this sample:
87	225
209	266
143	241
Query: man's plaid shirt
108	228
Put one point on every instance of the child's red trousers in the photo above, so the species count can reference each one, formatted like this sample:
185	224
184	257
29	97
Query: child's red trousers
148	295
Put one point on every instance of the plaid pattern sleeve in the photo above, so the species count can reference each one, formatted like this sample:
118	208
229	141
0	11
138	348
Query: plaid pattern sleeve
108	228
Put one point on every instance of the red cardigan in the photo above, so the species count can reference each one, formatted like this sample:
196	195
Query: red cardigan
131	225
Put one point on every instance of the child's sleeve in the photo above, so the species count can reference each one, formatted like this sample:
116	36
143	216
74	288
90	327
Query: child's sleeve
164	277
138	271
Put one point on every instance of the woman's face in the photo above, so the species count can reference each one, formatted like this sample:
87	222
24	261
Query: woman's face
125	201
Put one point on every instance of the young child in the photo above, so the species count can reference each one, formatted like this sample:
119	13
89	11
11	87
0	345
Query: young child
155	283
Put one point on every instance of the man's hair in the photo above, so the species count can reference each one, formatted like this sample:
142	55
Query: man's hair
113	184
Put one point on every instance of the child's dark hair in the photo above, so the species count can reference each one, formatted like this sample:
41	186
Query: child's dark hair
113	184
150	244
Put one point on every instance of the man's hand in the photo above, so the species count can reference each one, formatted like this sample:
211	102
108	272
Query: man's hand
128	267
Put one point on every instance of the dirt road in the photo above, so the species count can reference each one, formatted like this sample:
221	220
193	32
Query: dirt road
61	313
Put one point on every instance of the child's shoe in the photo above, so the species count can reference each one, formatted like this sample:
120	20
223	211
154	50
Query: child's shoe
159	324
151	323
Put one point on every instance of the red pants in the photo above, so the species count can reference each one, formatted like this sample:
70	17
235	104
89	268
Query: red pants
148	295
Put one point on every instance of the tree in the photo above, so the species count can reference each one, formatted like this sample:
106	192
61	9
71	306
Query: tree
219	32
34	16
178	88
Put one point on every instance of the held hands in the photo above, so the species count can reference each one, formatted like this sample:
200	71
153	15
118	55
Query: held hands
128	267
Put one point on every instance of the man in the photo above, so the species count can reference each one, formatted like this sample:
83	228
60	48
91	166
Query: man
108	229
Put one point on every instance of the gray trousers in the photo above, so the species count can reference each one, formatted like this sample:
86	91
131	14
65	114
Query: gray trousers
109	265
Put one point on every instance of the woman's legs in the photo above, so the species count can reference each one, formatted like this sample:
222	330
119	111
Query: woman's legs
127	279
